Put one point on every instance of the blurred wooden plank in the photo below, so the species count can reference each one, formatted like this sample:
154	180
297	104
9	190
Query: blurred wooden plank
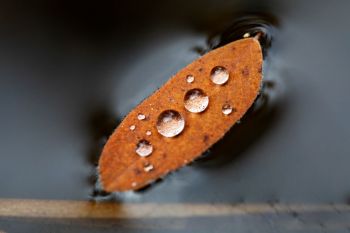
88	217
93	210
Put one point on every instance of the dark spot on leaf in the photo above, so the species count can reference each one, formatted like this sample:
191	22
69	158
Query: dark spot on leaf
206	138
137	171
245	71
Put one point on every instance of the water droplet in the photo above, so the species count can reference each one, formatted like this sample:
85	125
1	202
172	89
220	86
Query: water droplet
196	100
144	148
226	109
246	35
148	168
141	117
170	123
148	132
132	128
219	75
190	78
133	184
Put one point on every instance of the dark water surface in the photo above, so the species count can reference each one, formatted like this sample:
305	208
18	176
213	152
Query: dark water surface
70	71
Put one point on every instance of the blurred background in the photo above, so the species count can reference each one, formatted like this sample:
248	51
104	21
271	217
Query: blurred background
70	70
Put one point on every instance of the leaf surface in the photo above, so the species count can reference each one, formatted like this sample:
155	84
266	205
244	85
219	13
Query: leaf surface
122	169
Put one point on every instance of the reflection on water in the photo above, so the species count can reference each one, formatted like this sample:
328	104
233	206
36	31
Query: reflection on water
244	24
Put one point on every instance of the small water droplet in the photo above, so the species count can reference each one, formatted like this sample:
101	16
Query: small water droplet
219	75
144	148
246	35
148	133
132	128
141	116
190	78
133	184
196	101
226	109
170	123
148	168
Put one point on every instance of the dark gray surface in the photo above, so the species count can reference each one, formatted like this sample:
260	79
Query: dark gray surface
264	223
62	65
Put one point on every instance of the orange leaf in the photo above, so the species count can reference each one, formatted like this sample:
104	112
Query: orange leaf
185	117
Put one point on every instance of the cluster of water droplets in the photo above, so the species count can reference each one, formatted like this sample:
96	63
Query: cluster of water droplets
170	123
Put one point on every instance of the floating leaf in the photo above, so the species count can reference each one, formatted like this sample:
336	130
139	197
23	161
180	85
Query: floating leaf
185	117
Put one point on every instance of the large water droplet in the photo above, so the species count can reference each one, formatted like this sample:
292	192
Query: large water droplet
144	148
226	109
132	127
170	123
190	78
141	116
196	100
219	75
